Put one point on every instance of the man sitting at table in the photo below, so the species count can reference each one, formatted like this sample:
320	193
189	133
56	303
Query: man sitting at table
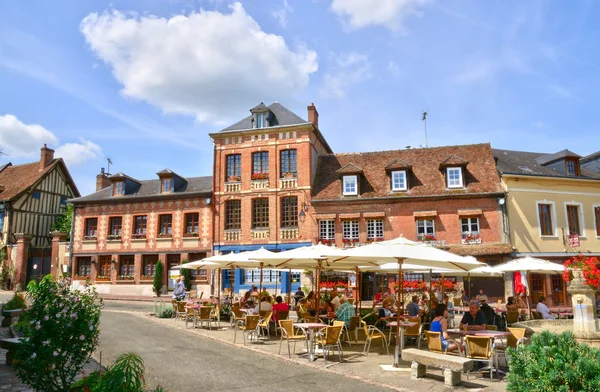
543	309
345	311
474	318
413	307
252	309
335	299
385	312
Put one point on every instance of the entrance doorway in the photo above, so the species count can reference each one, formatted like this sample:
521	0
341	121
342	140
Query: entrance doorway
38	263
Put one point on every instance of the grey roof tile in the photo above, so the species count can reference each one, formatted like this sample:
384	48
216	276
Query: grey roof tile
281	116
545	159
527	163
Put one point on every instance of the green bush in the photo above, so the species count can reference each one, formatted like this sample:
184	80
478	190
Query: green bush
187	277
158	273
62	332
163	310
16	302
554	363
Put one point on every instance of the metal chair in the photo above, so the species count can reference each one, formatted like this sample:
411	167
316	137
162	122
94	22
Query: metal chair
373	333
434	343
264	324
191	313
281	315
215	315
415	332
247	326
329	337
480	348
181	311
287	333
236	315
204	316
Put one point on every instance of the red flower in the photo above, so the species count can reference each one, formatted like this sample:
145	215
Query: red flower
588	265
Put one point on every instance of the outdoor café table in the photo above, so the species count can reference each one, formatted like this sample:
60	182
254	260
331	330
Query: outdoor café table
311	327
327	318
401	327
485	332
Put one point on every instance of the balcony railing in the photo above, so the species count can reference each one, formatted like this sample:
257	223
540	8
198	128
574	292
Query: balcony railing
289	233
288	183
233	235
233	186
259	184
431	240
260	234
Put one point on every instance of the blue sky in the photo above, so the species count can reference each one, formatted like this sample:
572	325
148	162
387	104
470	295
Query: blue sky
144	82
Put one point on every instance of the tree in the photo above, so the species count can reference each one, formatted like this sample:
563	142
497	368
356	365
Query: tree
187	276
63	222
158	272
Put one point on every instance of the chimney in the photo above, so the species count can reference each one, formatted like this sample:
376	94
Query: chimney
313	115
46	156
102	181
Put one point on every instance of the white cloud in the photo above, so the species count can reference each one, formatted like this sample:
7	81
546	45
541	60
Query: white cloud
349	69
75	154
394	69
18	139
389	13
207	64
282	13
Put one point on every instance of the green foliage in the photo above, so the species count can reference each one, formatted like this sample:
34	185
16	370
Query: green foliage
163	310
16	302
7	270
187	277
63	221
62	332
158	273
554	363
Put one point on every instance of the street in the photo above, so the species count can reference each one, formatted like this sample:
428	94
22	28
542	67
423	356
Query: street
187	362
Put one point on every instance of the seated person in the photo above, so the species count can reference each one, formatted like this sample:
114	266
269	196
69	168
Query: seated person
301	307
245	298
474	319
490	314
310	303
481	297
385	313
543	309
450	307
465	299
521	305
413	307
510	305
252	309
279	306
265	304
299	295
440	324
345	311
335	299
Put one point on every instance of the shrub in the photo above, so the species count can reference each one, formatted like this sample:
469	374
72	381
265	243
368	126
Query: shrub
163	310
554	363
187	277
62	332
16	302
158	273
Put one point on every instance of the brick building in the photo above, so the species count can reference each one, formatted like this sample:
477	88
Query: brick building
263	174
122	230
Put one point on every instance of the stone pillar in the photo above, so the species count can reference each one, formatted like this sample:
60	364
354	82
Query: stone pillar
114	268
137	268
165	278
417	370
23	242
451	378
584	305
508	286
94	269
56	257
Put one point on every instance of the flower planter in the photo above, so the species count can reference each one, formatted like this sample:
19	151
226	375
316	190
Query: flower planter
8	316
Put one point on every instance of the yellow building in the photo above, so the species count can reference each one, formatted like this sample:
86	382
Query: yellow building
553	207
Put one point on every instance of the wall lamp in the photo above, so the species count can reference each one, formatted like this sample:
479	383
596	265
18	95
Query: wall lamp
302	213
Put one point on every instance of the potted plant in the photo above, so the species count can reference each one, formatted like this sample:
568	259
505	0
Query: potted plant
13	308
137	236
589	267
260	176
113	237
288	175
234	178
90	237
192	234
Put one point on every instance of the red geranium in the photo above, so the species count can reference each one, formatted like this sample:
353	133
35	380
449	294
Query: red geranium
588	265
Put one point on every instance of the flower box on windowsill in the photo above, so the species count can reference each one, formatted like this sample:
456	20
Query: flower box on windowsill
371	240
165	236
350	243
80	277
471	239
88	238
194	234
288	175
327	242
259	176
136	236
102	278
234	178
125	279
113	238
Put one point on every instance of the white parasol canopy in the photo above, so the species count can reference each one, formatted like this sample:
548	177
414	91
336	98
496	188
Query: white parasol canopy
530	264
197	265
303	257
248	259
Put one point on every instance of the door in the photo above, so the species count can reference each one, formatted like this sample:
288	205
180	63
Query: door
558	290
38	264
537	287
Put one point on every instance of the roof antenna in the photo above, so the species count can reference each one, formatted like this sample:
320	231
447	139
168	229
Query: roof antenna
108	166
424	119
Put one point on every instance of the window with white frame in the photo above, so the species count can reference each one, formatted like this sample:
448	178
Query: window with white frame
546	218
350	185
326	229
425	229
399	180
375	229
269	276
261	120
454	177
574	217
470	227
350	230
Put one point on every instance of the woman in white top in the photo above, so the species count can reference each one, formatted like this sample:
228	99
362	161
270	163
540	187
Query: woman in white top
265	304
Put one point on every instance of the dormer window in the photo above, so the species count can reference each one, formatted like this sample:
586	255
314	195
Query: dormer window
454	177
260	120
118	188
166	184
572	166
350	185
399	182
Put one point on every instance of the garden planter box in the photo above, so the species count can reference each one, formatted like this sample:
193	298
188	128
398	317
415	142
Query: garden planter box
8	316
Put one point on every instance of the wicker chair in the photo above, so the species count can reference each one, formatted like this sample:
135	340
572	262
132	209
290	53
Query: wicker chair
373	333
215	315
281	315
181	311
516	338
480	348
204	314
434	343
512	317
235	316
411	332
264	324
287	333
192	294
193	314
329	338
247	326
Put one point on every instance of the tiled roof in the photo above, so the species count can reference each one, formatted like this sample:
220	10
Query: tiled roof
590	157
151	189
280	116
397	164
122	176
454	160
425	178
350	168
500	248
19	178
544	159
527	163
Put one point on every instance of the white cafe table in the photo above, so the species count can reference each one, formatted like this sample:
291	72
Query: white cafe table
311	336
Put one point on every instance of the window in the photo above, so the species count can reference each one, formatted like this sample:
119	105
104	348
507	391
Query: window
289	211
470	227
91	227
166	184
118	188
260	213
173	260
545	217
63	200
191	223
269	276
36	195
104	266
410	277
1	221
288	163
399	180
84	266
350	230
260	163
327	229
537	282
126	267
572	166
425	229
166	224
116	224
140	225
233	215
234	167
375	229
261	120
454	176
573	219
149	265
350	184
596	217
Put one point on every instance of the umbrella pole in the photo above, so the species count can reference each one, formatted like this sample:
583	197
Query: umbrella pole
231	283
469	278
260	282
219	283
276	281
397	351
443	291
357	299
318	288
289	299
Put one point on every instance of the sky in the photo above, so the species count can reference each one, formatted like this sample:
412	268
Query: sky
144	82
